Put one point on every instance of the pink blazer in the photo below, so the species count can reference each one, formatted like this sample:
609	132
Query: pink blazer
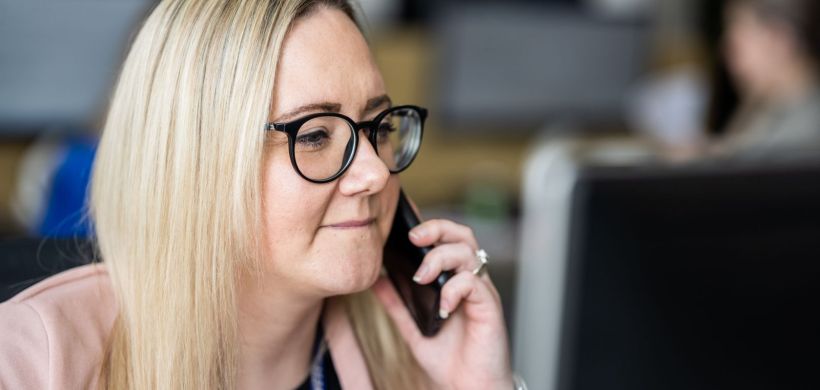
52	334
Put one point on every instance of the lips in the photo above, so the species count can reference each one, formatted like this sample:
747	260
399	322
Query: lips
351	224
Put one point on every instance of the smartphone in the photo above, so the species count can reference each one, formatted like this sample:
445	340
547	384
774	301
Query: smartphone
401	260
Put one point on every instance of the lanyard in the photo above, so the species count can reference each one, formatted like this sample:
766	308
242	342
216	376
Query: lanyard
317	366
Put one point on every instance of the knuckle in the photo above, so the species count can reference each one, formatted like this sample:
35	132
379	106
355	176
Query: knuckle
434	223
449	290
466	278
463	229
465	249
469	235
453	284
450	225
432	255
457	253
434	259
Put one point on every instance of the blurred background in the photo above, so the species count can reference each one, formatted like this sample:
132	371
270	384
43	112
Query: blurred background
642	173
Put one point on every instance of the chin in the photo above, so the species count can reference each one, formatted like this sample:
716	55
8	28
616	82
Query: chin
354	275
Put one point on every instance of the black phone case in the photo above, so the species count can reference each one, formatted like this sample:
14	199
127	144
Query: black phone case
401	260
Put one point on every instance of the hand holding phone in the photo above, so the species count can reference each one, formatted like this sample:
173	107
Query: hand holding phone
401	261
471	351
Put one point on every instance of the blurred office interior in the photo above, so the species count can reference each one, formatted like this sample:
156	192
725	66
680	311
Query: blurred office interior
573	136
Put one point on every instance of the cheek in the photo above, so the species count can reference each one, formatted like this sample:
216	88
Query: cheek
754	55
298	251
292	209
741	56
352	263
388	201
319	259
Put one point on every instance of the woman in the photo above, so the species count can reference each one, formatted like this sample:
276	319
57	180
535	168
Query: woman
241	234
773	48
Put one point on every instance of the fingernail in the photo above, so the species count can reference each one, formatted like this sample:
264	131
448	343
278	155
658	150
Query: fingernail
443	314
420	273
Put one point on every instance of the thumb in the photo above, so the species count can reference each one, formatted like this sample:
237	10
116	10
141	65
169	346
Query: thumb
390	299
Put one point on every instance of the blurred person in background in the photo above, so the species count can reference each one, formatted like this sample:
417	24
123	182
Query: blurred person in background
772	49
242	193
51	190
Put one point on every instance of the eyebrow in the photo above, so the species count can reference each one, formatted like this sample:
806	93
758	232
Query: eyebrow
376	102
372	104
323	106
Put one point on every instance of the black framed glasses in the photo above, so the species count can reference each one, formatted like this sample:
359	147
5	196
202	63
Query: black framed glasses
323	145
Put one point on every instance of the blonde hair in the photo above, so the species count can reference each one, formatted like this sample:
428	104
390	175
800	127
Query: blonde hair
175	196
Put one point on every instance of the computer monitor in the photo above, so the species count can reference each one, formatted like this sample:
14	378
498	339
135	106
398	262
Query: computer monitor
518	66
694	278
58	60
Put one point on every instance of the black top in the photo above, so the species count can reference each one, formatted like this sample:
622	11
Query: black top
331	381
322	370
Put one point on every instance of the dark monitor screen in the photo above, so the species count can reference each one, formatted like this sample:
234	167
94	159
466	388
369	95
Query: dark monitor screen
693	279
25	261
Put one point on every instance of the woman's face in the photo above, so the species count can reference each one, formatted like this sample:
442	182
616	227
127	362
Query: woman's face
755	49
326	239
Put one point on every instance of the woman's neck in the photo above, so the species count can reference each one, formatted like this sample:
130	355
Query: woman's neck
276	334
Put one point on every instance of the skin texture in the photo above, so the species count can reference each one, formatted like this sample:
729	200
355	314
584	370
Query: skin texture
764	56
308	256
306	251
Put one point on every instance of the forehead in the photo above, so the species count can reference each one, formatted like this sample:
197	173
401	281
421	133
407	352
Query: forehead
325	59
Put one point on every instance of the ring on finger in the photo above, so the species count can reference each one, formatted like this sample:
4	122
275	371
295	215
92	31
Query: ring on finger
483	259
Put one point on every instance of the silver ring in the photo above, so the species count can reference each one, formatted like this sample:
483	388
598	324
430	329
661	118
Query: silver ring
481	255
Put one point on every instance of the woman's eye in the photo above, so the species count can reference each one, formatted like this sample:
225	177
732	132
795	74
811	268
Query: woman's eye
385	129
314	138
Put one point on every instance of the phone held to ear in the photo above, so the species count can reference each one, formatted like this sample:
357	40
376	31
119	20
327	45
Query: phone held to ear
401	260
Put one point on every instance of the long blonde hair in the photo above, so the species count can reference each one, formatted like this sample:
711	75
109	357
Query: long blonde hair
175	196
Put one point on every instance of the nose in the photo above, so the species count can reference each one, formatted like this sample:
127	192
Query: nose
367	174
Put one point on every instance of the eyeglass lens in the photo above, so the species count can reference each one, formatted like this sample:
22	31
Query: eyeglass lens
399	138
324	144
